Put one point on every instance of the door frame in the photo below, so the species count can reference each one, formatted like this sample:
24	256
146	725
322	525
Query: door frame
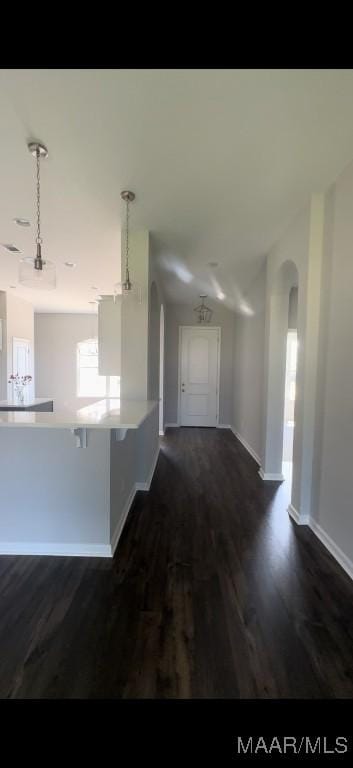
204	328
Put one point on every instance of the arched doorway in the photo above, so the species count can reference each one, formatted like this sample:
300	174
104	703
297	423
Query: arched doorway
285	281
290	388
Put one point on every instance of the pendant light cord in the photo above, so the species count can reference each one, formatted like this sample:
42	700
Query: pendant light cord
127	238
39	239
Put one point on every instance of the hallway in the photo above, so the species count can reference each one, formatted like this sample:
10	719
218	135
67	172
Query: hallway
213	592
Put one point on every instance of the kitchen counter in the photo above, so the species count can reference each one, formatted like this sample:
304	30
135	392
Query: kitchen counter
34	404
68	478
110	413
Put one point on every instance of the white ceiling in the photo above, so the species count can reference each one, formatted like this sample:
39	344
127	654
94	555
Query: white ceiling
220	160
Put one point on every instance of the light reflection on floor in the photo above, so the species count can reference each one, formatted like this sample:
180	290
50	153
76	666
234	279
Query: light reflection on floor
275	539
280	519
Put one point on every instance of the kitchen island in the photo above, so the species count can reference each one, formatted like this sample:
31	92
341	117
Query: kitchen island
34	404
68	478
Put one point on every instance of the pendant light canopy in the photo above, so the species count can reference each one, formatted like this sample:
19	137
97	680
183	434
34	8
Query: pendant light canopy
37	272
203	313
127	288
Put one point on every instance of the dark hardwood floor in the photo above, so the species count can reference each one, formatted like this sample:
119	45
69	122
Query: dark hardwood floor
213	592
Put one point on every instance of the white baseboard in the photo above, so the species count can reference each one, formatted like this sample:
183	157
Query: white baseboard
171	424
246	445
161	433
225	426
137	487
271	476
325	539
294	514
146	486
121	522
54	549
333	548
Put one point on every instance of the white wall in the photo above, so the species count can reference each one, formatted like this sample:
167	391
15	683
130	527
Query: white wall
317	245
248	376
153	343
131	462
156	365
63	494
182	314
56	338
332	498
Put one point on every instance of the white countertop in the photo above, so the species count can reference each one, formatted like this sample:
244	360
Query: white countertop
108	414
27	403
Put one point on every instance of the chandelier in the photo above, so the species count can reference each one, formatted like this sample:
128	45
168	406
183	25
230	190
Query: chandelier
37	272
203	312
127	288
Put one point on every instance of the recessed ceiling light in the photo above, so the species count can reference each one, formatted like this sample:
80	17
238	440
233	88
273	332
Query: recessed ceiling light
94	288
70	264
213	264
22	222
10	247
12	286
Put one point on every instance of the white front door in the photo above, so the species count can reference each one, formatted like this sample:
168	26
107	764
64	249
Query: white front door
199	366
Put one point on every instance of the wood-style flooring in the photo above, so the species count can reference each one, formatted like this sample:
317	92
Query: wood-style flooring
213	592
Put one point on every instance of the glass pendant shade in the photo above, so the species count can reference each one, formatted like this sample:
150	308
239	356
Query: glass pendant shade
44	278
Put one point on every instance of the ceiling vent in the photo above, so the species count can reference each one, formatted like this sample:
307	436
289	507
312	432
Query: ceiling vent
10	247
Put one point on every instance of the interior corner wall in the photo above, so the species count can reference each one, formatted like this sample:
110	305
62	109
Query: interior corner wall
56	339
182	314
248	375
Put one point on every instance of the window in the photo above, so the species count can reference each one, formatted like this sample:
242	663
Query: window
89	383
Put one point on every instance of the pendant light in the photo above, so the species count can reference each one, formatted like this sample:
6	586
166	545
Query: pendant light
203	313
127	288
37	272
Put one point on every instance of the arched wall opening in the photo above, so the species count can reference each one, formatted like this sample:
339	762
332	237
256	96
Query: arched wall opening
290	388
285	280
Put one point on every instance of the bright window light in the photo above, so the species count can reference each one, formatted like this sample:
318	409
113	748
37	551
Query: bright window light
89	383
292	391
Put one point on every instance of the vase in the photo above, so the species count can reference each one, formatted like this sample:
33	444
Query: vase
20	395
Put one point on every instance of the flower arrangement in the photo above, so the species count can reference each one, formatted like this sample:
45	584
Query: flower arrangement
19	382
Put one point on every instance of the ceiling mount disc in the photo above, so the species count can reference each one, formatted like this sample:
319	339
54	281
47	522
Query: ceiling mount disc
34	146
128	196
